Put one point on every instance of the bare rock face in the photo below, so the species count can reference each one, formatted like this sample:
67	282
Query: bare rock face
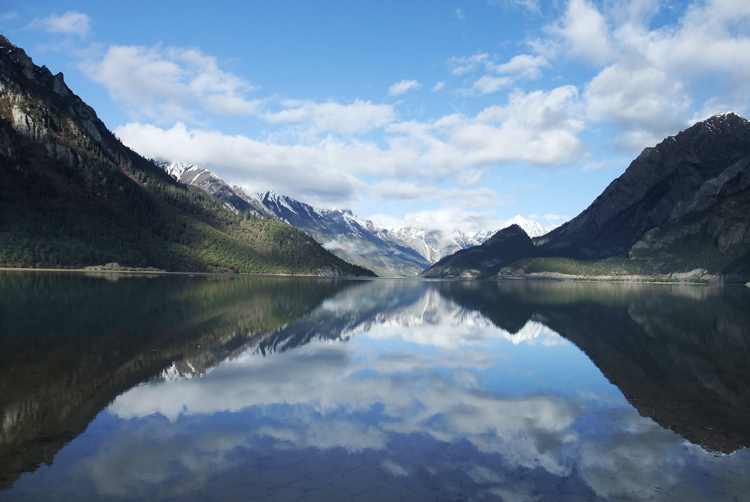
681	205
41	108
658	186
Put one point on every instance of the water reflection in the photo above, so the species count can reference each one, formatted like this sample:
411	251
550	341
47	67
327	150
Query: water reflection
378	390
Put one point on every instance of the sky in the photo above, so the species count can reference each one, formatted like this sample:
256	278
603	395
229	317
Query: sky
444	114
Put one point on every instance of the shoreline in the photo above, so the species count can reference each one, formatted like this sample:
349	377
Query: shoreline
533	277
165	272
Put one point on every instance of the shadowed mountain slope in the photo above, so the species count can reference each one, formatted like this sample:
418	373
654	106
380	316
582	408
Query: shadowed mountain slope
680	206
74	196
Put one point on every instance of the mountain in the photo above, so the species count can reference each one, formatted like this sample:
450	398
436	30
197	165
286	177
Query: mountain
681	209
387	251
234	198
395	251
74	196
343	234
506	246
434	244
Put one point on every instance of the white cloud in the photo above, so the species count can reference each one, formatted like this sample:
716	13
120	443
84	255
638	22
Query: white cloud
712	36
556	219
584	31
446	220
403	86
461	65
488	84
438	86
522	65
70	23
538	127
531	5
467	197
460	14
9	16
167	84
643	99
316	174
359	116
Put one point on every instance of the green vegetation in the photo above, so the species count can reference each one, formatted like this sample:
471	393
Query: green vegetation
53	215
72	195
616	266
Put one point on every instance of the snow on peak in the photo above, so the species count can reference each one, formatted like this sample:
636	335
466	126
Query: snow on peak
531	227
177	169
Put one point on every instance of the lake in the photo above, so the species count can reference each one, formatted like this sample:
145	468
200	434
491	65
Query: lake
116	387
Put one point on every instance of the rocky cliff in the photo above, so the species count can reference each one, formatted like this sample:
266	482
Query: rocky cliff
662	184
680	209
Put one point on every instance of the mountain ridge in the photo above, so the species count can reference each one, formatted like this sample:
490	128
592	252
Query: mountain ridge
388	251
680	211
74	196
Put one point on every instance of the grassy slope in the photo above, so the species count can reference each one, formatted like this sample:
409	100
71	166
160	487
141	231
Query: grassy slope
113	210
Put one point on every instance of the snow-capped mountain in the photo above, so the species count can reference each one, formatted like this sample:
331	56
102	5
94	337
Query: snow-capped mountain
386	251
531	227
232	196
343	234
435	244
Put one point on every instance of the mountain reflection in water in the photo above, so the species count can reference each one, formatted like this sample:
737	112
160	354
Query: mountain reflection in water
281	388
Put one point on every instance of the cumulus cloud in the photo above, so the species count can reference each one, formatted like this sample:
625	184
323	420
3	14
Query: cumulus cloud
641	97
359	116
316	174
711	36
167	83
488	84
403	86
653	81
523	65
539	128
584	32
446	220
70	23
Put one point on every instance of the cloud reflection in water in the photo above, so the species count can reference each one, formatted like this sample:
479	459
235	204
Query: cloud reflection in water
412	375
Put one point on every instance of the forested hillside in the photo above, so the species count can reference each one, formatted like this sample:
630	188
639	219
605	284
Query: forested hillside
73	196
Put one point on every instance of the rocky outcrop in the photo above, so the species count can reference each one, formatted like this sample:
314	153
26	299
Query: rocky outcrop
503	248
663	183
681	206
42	109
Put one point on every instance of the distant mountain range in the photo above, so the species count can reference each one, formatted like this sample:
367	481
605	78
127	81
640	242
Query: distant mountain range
681	211
74	196
388	252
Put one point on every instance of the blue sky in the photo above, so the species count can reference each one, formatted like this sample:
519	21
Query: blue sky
451	114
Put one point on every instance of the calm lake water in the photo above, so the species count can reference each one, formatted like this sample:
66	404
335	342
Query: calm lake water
261	388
